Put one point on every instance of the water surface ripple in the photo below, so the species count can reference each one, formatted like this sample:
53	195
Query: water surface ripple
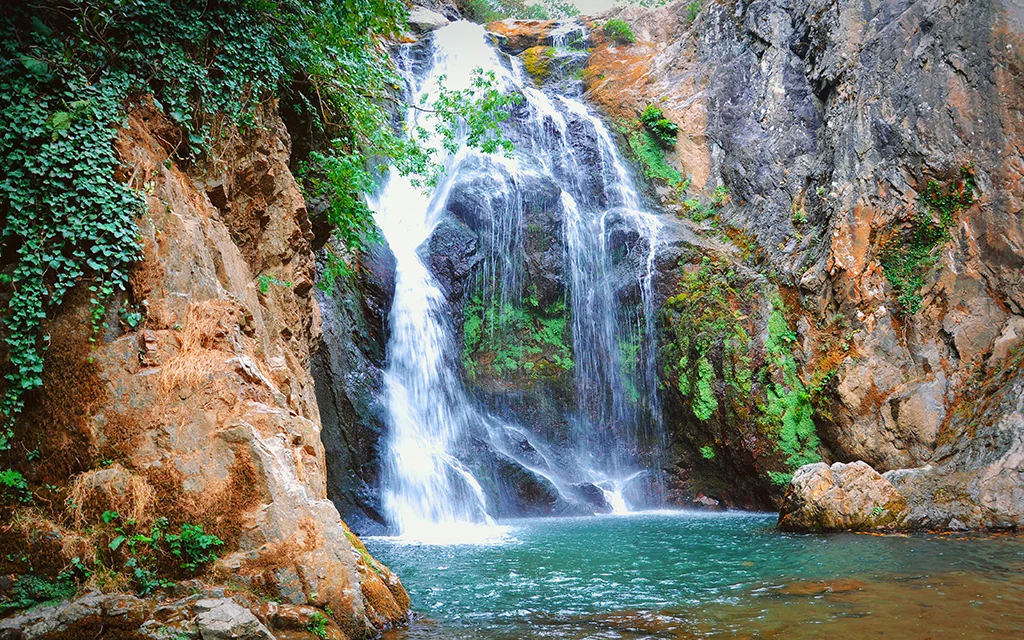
701	575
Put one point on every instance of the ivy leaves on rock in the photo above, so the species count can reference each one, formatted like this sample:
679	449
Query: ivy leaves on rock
69	72
65	216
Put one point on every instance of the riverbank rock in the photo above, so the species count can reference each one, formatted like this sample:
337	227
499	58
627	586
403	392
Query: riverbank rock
208	613
843	497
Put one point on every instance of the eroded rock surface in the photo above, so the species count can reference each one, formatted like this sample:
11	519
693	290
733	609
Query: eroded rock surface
843	497
208	406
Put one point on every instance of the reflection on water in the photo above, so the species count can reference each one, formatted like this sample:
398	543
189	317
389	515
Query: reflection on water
688	575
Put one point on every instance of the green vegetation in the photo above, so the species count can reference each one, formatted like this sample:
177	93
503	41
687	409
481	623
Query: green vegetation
701	212
317	625
663	129
788	413
650	155
619	31
506	338
705	403
70	73
693	10
193	547
263	282
708	322
30	590
484	11
141	552
13	487
538	62
908	254
705	318
648	138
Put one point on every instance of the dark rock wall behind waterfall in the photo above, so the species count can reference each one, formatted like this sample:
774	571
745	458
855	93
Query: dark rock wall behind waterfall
348	371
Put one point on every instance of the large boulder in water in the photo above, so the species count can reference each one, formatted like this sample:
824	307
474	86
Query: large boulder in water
843	497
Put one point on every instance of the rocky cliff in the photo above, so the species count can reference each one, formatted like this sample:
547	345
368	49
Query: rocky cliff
201	411
839	272
872	159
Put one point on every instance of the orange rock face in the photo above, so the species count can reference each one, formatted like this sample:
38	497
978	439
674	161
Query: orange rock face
207	407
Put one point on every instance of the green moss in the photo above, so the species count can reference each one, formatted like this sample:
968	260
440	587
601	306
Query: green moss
619	31
30	590
707	452
650	156
538	62
709	356
504	339
910	253
693	10
704	402
701	318
787	415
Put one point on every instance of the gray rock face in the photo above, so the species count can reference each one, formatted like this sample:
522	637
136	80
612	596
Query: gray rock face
826	120
843	497
422	20
224	619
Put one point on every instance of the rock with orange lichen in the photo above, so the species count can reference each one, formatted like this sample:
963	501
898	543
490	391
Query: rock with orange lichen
843	497
515	36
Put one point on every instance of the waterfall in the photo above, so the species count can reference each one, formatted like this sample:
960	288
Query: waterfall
434	425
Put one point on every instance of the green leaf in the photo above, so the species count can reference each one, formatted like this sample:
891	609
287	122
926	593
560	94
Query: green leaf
35	66
116	542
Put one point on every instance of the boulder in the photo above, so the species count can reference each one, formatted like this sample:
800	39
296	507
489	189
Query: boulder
422	20
705	502
225	619
843	497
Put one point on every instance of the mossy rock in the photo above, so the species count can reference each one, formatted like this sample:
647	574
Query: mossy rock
539	62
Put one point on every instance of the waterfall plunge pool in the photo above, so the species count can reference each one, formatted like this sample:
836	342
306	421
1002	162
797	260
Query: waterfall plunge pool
708	575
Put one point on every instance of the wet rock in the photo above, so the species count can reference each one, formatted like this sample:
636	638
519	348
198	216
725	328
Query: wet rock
453	253
593	496
843	497
705	501
515	36
224	619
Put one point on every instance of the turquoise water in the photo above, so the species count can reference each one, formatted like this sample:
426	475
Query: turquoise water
696	575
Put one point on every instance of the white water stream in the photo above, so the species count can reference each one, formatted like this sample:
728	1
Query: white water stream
429	492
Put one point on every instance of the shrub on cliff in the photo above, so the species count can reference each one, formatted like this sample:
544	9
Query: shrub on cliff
619	31
663	129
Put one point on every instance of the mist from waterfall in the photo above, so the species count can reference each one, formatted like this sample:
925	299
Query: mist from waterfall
430	491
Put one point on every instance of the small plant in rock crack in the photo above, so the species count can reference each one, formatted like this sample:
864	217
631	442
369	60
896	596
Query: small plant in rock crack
317	625
192	547
263	282
663	129
693	10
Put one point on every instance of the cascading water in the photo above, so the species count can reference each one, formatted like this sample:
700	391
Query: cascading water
434	424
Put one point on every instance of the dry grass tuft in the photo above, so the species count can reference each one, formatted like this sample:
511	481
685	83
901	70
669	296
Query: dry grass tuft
111	489
208	325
